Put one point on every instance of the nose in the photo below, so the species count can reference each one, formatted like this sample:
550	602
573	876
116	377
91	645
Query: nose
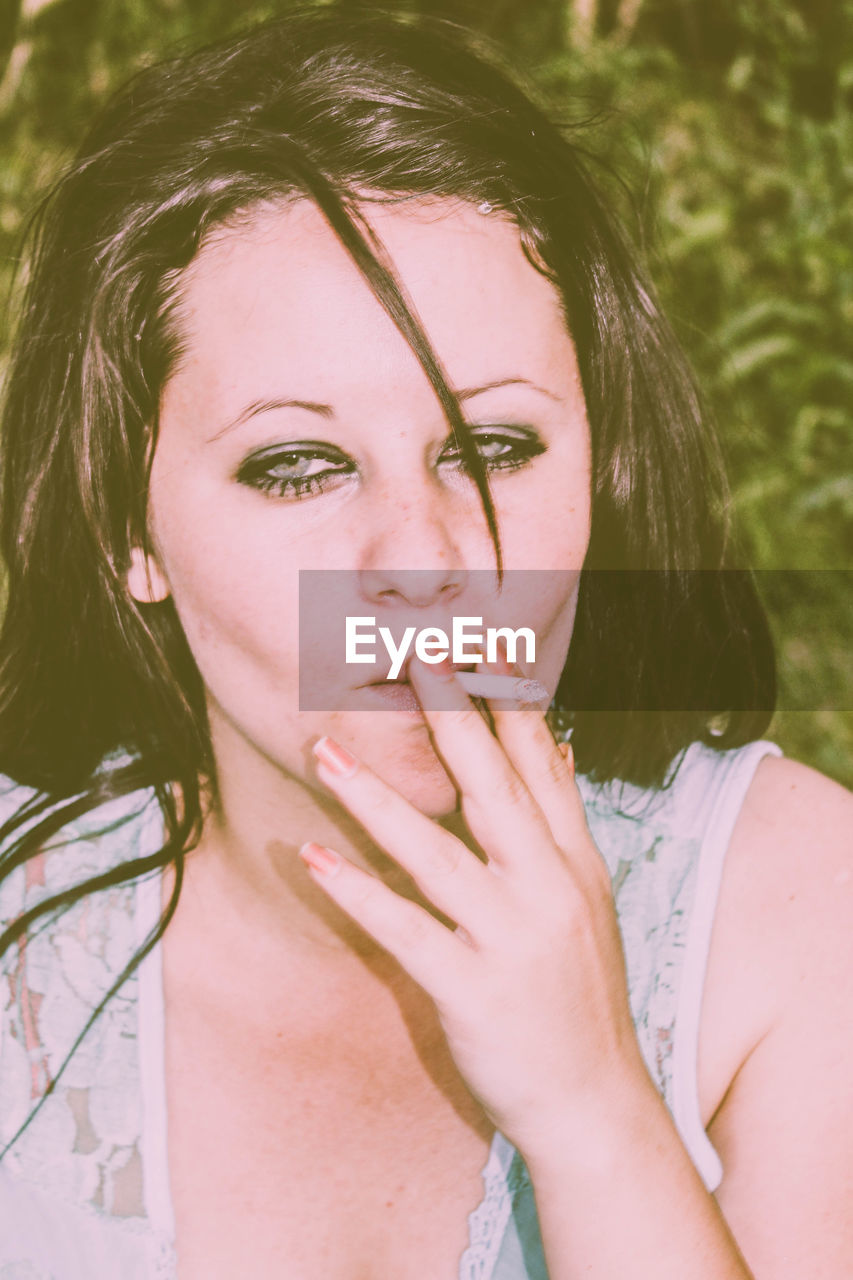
416	587
411	555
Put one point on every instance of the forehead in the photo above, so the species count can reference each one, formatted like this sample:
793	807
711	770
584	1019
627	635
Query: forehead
277	296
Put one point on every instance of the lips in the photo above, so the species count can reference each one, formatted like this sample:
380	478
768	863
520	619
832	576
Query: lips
397	695
402	678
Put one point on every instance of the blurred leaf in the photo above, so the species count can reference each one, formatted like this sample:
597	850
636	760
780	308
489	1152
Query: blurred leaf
744	361
831	492
10	12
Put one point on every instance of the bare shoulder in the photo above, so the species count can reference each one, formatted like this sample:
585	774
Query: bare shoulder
776	1043
793	841
790	863
785	910
785	792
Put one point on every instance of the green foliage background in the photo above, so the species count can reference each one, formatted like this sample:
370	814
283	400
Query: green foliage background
731	126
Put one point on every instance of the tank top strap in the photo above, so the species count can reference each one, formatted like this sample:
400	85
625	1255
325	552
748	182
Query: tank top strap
713	791
666	850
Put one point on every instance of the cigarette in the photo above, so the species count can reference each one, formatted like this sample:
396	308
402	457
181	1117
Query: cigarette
514	688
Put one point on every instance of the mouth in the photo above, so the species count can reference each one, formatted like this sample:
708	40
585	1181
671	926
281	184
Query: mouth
383	682
398	694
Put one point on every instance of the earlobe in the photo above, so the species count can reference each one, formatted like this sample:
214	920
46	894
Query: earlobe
146	581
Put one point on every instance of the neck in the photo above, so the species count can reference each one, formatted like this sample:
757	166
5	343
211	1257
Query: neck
245	882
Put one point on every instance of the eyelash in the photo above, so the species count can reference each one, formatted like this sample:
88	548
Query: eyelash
257	471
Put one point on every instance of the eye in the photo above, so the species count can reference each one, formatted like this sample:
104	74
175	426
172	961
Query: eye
295	472
502	448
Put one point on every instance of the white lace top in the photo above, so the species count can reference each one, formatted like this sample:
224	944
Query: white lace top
84	1189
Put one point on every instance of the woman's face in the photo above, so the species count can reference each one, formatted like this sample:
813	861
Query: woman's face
299	431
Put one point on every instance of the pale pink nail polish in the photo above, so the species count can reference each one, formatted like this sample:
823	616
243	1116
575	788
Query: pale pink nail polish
320	859
335	757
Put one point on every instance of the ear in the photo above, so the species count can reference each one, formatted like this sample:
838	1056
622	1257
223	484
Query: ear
146	581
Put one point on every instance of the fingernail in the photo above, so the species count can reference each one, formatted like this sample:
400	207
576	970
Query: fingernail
320	859
502	658
335	757
442	670
445	669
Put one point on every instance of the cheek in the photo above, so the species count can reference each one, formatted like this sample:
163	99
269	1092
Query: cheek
235	593
243	632
547	533
545	524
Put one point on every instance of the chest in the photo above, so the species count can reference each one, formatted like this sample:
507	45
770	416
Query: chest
354	1154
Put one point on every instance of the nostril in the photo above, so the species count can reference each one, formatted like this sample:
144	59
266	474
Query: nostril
416	587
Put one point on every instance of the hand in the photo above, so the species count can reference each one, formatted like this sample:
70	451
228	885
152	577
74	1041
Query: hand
530	987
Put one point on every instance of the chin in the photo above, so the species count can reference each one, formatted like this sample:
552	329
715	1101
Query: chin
435	801
415	771
399	751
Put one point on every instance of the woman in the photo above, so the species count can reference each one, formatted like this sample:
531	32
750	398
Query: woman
301	991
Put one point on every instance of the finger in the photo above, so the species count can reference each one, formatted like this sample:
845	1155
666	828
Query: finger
500	811
433	955
547	769
448	874
545	766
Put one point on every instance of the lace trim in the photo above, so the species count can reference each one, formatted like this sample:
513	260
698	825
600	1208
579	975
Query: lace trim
487	1223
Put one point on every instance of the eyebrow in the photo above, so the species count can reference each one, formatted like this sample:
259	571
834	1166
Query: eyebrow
326	411
468	392
265	406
